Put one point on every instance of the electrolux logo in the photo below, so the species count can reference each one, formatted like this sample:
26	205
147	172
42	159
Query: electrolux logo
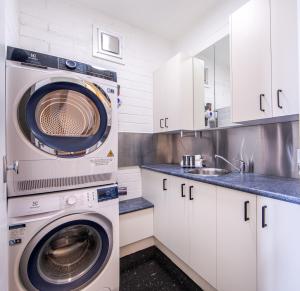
33	56
35	204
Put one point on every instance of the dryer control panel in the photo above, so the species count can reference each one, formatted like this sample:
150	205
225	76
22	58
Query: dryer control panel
43	61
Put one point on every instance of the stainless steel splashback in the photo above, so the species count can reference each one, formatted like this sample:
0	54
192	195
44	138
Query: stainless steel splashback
271	147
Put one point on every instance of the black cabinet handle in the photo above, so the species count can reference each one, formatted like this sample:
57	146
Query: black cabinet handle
190	192
263	217
160	123
246	203
182	190
260	102
166	124
278	98
164	185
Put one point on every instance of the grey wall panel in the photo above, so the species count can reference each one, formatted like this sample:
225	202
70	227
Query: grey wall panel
271	147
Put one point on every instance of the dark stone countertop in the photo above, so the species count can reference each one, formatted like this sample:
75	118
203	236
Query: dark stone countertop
132	205
285	189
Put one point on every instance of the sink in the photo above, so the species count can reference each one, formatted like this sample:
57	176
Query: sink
212	172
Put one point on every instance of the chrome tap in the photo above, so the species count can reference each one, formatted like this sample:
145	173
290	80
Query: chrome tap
242	165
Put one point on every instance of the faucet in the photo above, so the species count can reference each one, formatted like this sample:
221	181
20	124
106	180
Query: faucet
241	168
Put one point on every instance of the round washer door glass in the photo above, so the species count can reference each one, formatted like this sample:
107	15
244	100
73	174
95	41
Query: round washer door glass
69	254
66	257
65	117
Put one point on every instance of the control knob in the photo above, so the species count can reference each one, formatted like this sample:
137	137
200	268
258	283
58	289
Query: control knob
71	200
71	64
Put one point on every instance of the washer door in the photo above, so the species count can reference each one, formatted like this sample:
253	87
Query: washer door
67	254
65	117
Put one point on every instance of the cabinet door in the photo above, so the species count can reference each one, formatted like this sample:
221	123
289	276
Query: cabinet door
174	94
178	218
158	127
236	240
162	90
278	241
202	230
251	62
155	189
284	57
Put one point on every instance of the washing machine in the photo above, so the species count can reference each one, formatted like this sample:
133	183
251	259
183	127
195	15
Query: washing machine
62	127
65	241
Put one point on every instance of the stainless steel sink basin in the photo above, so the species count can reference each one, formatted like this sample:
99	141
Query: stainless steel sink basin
211	172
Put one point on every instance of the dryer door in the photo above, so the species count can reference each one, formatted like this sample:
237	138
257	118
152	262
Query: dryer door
66	117
67	254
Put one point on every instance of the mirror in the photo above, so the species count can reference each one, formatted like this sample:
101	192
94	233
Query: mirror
217	96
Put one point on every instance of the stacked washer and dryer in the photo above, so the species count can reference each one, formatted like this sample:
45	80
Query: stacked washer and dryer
62	143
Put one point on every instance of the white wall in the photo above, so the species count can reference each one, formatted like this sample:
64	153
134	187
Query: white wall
3	213
64	28
209	29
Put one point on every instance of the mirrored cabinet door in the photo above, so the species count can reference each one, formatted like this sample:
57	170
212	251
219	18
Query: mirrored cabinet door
217	91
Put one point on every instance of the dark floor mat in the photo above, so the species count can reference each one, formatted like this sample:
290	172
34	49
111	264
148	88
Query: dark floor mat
151	270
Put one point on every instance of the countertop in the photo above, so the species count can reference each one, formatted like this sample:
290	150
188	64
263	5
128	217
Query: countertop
132	205
285	189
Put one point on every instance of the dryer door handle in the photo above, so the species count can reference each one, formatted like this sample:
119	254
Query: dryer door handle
13	167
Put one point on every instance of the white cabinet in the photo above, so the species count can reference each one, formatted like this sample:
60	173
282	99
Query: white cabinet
236	240
284	57
178	230
264	60
278	241
155	187
251	62
178	102
185	220
202	230
136	226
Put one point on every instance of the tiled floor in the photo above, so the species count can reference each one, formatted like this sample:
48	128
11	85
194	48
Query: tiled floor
151	270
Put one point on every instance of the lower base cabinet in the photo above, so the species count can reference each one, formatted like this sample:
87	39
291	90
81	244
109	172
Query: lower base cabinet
278	245
234	240
185	220
236	243
202	230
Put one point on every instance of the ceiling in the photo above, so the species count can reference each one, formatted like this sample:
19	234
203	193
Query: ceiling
168	18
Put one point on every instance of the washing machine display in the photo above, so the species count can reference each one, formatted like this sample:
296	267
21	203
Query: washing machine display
66	117
67	254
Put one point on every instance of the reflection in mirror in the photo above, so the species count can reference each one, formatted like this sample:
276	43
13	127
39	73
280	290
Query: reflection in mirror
217	98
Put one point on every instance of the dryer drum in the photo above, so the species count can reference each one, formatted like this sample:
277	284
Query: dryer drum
65	117
67	113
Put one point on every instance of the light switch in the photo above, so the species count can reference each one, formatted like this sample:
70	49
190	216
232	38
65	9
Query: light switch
110	43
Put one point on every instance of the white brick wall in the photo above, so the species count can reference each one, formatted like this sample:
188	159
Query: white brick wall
64	28
130	177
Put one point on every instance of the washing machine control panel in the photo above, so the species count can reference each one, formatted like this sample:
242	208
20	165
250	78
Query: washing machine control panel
107	193
90	197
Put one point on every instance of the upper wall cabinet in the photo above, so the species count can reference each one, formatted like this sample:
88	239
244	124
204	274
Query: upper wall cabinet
264	60
217	94
178	100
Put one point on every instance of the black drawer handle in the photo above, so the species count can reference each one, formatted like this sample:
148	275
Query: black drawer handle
164	184
160	123
246	203
260	102
182	190
278	98
263	218
166	123
190	192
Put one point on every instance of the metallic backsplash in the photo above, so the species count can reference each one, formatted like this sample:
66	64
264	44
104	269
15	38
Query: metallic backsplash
271	147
